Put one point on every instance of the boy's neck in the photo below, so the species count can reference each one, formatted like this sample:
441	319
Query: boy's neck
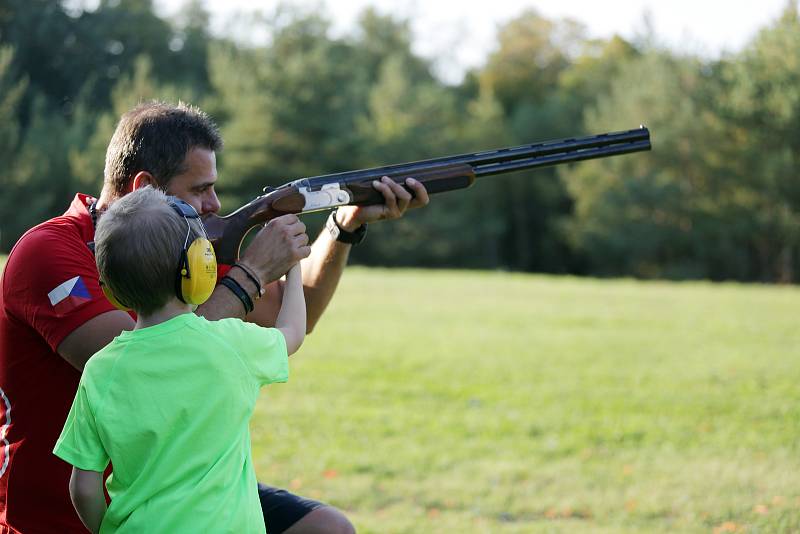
171	309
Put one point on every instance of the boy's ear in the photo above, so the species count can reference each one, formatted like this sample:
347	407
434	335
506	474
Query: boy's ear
141	179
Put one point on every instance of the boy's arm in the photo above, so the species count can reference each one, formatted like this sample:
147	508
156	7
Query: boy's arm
291	319
86	491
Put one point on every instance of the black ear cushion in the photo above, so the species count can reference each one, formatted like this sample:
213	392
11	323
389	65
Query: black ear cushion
182	272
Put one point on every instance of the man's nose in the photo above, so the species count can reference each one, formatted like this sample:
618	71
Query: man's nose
211	203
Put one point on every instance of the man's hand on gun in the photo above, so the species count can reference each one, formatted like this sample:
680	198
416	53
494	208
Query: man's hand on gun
277	247
396	201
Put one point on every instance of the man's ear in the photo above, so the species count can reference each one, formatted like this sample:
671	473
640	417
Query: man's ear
141	179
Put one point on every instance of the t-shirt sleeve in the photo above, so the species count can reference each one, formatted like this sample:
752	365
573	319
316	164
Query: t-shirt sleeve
51	283
79	443
263	350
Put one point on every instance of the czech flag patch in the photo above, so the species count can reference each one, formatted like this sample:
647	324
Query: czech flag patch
69	295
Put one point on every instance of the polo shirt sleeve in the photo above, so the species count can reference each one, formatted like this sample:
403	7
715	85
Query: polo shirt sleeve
51	283
263	350
79	443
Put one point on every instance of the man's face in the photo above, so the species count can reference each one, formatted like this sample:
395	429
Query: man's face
196	185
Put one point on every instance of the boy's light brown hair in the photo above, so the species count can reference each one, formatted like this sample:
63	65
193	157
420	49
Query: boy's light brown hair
138	245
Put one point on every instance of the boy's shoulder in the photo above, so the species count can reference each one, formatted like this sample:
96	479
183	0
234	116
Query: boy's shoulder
104	359
237	333
229	325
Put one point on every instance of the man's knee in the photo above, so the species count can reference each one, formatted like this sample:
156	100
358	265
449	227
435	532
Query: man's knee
323	520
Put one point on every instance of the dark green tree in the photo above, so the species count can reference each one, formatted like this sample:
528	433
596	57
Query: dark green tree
761	108
663	213
524	74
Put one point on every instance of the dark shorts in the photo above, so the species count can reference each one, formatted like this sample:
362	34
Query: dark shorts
283	509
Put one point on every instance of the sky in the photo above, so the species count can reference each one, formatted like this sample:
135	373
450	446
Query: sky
461	34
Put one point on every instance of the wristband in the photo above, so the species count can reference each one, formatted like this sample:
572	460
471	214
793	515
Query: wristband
253	278
343	236
240	293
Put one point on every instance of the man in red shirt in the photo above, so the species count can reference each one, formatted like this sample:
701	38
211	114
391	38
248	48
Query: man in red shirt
54	316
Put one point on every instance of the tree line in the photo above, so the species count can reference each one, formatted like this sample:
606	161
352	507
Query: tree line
717	198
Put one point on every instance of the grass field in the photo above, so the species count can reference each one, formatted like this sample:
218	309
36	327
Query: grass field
441	401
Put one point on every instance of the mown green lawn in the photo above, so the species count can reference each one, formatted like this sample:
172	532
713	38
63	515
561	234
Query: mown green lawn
443	401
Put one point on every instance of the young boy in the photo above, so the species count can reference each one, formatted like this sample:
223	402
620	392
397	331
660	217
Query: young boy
168	404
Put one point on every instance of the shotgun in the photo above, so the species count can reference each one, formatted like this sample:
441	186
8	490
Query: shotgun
438	175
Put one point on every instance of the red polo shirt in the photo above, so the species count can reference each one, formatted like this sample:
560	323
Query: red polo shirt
48	289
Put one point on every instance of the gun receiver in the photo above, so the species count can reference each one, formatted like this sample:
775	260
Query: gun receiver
438	175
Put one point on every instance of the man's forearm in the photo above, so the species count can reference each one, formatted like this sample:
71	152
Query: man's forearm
223	303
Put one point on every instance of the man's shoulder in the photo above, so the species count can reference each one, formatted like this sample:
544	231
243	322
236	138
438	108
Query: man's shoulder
70	227
47	257
48	241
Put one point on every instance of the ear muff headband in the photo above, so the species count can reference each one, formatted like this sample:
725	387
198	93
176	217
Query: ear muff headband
196	275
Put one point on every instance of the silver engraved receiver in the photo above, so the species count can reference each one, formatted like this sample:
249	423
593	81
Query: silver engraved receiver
328	196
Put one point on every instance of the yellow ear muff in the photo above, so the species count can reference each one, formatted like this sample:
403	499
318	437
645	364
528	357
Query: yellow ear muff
198	274
111	298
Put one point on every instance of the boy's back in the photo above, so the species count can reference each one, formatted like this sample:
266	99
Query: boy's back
171	404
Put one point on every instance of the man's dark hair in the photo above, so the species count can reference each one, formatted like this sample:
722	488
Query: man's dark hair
156	137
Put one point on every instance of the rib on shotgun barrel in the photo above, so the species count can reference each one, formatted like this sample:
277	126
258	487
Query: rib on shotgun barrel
438	175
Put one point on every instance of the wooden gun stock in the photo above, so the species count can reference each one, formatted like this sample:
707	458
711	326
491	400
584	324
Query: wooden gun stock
437	175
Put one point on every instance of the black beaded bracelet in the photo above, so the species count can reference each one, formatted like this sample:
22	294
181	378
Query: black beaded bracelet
237	290
253	278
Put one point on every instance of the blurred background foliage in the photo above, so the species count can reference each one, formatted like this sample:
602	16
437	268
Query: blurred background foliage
718	197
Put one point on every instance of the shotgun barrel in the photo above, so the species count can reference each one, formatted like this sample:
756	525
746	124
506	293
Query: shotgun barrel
503	160
437	175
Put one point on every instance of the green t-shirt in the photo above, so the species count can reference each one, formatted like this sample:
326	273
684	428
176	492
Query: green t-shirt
169	406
